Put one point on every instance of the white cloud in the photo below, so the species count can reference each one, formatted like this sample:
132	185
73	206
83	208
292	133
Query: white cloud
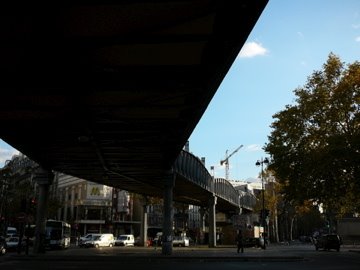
356	26
254	179
252	49
357	39
303	63
254	147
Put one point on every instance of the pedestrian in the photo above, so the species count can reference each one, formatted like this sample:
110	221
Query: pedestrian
240	242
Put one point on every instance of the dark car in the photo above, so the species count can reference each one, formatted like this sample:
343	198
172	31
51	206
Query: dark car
328	241
2	245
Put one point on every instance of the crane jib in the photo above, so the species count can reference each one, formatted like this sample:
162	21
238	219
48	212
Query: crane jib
226	161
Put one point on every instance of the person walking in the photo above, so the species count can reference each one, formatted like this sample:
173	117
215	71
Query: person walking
240	242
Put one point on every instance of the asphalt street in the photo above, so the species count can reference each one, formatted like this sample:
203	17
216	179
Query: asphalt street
295	256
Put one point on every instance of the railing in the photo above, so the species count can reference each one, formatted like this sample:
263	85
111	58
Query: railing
226	190
191	167
247	200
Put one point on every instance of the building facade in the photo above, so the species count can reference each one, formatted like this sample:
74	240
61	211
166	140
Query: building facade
94	208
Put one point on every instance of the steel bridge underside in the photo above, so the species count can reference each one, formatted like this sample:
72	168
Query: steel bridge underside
110	91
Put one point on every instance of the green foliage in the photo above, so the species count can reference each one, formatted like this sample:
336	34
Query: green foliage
315	143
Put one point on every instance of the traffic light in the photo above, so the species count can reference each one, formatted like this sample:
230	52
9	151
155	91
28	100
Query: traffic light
32	204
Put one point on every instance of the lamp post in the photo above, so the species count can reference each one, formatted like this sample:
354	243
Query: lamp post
263	223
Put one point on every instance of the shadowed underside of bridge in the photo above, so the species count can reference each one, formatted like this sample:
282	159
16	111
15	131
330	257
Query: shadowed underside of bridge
110	91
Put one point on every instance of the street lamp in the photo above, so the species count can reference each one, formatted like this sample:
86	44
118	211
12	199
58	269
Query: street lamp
263	223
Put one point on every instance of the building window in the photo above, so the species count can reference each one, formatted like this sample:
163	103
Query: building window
94	214
75	213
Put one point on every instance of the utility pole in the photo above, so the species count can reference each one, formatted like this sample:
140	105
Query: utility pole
263	216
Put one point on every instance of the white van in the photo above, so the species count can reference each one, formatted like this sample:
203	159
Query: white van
125	240
11	232
101	240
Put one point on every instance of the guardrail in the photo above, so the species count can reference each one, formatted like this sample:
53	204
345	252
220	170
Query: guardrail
192	168
226	191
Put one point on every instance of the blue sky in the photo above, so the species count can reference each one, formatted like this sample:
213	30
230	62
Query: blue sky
290	40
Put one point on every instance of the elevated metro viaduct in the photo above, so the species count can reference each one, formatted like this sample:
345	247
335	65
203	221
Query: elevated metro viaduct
110	91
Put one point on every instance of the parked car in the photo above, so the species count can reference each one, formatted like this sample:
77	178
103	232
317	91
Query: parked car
157	241
328	241
181	241
87	237
13	242
2	245
102	240
148	243
11	232
125	240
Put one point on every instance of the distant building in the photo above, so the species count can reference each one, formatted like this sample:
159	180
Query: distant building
95	208
84	204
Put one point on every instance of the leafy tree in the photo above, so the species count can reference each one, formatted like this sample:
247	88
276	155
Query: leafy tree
315	143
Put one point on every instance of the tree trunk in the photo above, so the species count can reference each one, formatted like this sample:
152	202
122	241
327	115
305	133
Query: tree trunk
276	226
291	227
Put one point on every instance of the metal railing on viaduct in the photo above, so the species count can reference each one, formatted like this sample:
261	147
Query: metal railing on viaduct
193	169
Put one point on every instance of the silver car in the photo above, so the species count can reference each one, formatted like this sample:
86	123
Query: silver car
181	241
13	242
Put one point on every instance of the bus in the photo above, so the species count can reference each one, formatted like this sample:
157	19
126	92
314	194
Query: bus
57	234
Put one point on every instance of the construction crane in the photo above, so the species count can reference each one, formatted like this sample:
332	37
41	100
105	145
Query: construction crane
226	161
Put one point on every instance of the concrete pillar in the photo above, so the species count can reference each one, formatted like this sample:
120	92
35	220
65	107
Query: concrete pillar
85	218
66	204
72	203
144	224
101	217
202	212
167	237
59	197
212	221
77	216
43	179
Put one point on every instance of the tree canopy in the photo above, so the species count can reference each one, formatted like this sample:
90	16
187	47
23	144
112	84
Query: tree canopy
315	142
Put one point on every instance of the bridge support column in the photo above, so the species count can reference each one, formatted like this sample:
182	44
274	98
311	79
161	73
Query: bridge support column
202	212
167	236
44	179
212	221
144	224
